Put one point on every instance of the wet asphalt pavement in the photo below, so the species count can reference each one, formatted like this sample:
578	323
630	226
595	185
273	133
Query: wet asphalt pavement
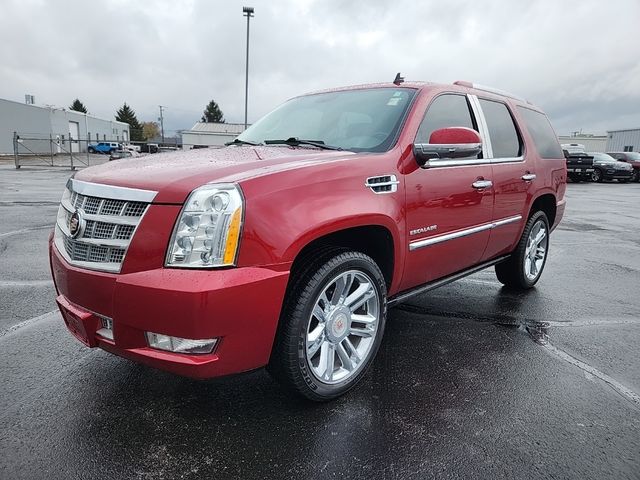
471	381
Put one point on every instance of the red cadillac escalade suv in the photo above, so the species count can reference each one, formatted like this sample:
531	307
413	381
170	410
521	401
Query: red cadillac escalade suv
286	248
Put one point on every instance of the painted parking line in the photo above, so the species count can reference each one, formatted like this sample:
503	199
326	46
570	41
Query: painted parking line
623	390
24	283
26	323
24	230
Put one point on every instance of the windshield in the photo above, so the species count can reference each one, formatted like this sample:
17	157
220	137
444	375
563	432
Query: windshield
364	120
634	156
602	157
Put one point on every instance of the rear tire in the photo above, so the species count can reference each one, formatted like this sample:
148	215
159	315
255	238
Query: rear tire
525	265
331	326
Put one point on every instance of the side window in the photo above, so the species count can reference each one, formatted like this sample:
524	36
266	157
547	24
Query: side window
445	111
541	131
505	140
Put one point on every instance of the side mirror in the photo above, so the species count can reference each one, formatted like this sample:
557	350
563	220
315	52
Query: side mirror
448	143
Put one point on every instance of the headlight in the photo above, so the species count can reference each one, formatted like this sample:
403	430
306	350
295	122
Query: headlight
207	232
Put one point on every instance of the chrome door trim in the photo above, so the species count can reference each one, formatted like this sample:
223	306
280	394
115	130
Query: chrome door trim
443	162
507	160
487	149
110	191
481	184
427	242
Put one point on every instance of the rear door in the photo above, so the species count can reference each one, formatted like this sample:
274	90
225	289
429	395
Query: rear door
448	208
513	173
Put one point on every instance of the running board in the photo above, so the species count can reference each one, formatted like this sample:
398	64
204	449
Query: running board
402	296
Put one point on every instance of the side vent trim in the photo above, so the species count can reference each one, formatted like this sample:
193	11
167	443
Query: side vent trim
382	184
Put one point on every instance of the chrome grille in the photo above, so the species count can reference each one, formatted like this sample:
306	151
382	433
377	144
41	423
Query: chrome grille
111	216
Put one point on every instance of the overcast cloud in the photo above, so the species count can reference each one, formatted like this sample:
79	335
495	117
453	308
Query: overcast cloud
579	60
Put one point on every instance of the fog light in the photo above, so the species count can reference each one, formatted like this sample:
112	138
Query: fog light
180	345
107	327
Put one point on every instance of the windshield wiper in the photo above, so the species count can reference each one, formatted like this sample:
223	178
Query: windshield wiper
295	141
237	141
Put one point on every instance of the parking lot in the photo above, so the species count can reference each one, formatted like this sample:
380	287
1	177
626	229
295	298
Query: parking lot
471	381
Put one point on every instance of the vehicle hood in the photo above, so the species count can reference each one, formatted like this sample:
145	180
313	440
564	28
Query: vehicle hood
614	165
174	175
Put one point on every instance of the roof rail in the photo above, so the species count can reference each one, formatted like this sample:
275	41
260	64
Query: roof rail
464	83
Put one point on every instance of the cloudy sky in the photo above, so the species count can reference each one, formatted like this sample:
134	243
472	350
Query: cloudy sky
579	60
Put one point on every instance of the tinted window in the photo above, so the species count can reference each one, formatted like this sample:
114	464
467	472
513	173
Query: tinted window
502	131
445	111
542	133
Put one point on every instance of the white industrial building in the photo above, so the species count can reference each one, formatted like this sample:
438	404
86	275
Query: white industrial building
55	130
208	134
592	143
627	140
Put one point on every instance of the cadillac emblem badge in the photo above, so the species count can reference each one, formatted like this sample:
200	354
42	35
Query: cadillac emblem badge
76	223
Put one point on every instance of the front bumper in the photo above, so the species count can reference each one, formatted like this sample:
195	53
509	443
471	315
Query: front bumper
239	306
617	174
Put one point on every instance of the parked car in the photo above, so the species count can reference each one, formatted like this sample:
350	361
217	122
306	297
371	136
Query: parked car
286	248
118	154
632	158
608	168
104	147
131	147
149	148
579	166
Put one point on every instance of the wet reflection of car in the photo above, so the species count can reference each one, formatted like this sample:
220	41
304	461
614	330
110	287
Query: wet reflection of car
605	167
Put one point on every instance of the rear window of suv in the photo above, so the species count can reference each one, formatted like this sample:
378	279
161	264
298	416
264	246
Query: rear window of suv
541	131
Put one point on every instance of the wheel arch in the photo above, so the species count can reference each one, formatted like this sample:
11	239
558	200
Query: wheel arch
547	204
373	239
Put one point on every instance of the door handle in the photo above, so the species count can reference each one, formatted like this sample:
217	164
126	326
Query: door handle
527	177
481	184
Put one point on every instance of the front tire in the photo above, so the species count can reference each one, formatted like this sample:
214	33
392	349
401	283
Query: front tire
596	176
636	175
331	326
524	267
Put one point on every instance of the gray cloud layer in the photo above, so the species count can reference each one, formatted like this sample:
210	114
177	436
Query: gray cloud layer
579	60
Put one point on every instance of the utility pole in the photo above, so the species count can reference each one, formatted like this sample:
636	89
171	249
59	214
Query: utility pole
161	122
246	12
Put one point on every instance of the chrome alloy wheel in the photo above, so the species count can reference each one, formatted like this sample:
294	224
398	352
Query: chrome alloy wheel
342	328
536	251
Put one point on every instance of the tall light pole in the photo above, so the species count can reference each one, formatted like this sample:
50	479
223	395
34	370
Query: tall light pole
246	12
161	122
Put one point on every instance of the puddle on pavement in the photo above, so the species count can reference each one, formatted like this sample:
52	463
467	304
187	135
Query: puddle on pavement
537	330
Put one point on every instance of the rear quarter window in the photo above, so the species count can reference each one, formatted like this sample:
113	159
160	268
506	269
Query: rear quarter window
541	131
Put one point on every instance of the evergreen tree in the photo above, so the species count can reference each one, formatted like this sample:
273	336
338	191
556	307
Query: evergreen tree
78	106
127	115
212	113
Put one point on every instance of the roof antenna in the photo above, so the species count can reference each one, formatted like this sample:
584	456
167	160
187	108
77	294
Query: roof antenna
398	80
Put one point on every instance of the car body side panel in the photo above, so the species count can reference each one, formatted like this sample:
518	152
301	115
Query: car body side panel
283	217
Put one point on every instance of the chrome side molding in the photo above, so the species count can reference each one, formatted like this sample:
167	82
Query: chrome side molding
427	242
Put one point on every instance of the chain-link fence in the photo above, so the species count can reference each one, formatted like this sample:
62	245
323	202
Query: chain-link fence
60	150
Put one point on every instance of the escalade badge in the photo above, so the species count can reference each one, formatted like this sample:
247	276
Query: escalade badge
77	223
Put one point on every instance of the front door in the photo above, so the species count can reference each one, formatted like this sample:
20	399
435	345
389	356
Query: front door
449	205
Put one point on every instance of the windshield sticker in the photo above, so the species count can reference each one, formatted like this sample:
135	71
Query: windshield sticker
393	101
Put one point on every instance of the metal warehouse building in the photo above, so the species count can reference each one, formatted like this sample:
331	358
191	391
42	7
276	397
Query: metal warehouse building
623	140
41	130
210	134
592	143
